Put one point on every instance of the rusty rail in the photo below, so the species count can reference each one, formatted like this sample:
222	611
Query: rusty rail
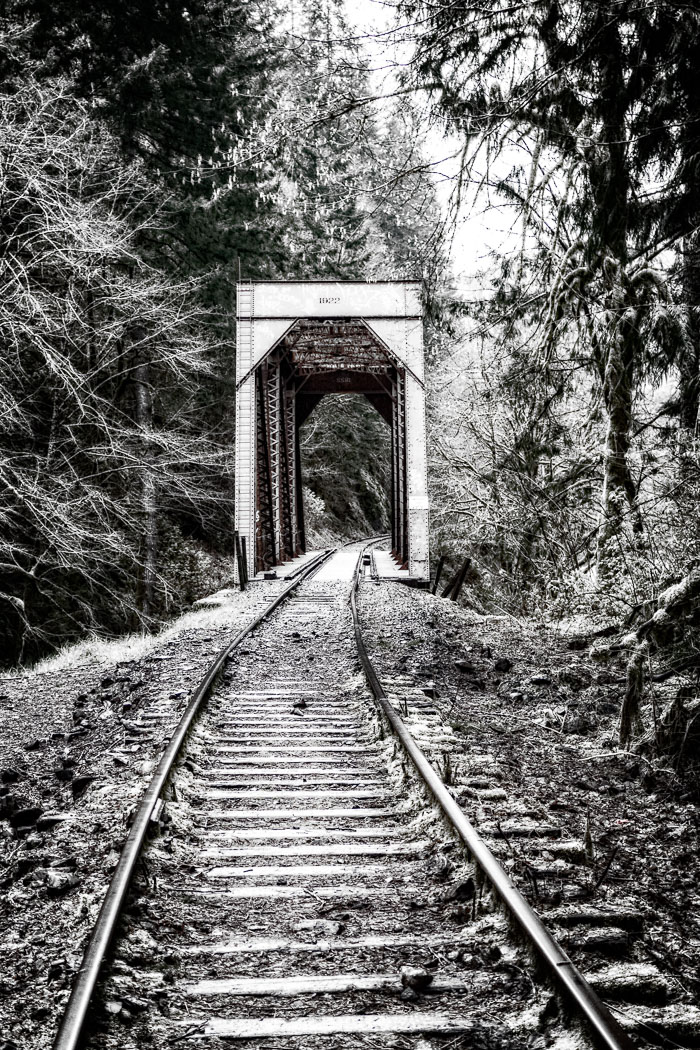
73	1020
606	1031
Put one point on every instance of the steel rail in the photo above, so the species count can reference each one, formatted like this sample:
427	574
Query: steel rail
73	1020
368	540
606	1031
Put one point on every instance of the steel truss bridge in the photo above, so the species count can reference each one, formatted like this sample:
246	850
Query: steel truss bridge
296	342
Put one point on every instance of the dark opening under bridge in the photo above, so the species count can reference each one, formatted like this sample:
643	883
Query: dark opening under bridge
296	342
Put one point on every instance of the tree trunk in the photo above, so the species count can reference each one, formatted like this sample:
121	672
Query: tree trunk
619	495
143	413
689	363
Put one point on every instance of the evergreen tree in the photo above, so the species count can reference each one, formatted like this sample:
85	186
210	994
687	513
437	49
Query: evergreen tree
576	82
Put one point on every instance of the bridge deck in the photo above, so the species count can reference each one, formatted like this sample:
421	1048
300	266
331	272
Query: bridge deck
336	568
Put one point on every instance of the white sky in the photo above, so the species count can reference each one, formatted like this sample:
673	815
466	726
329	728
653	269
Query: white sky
477	230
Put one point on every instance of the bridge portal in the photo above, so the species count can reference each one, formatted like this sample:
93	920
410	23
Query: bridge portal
296	342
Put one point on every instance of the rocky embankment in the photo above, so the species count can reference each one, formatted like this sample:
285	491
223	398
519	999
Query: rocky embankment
80	737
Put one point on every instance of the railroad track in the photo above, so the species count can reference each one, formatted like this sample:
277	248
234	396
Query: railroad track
312	881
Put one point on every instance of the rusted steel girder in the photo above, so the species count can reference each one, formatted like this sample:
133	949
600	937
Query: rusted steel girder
265	553
277	506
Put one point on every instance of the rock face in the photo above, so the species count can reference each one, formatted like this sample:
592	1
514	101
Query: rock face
462	891
49	821
540	678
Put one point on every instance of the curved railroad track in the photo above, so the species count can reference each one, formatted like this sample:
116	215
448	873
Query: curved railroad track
313	881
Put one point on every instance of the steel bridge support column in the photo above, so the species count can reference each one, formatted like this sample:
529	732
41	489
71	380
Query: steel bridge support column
399	525
394	481
298	493
403	468
417	542
290	524
273	393
265	518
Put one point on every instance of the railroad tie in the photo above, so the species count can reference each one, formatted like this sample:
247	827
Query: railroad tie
306	888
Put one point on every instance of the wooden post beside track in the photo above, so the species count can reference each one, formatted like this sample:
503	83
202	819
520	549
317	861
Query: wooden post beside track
438	573
244	553
459	582
239	561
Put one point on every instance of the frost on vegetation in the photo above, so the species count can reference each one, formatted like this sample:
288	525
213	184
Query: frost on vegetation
96	650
